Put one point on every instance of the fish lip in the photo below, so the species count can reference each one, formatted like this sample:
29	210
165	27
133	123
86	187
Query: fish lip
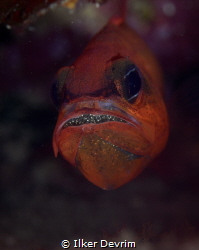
124	118
91	119
96	107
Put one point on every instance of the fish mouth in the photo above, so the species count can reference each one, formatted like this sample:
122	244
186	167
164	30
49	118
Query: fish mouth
91	118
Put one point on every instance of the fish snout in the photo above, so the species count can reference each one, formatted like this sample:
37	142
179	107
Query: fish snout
87	104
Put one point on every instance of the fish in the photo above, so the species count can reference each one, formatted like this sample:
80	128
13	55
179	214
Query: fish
112	119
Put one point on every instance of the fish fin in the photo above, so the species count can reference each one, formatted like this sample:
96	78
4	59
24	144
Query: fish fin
55	148
119	17
117	20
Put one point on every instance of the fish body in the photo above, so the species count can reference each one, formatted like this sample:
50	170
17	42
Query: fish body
112	117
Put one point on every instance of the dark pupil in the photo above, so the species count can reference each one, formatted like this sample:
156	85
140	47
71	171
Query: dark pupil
133	83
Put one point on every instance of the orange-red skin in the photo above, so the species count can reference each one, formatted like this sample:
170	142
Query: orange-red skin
96	148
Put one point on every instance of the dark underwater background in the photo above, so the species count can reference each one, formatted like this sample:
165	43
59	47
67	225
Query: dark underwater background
43	200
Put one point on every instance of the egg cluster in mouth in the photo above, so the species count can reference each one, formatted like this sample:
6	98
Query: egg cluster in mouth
89	118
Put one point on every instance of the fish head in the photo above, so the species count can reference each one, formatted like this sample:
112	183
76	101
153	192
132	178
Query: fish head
112	118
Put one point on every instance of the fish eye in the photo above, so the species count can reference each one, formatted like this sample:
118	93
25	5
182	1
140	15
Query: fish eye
58	87
132	84
56	95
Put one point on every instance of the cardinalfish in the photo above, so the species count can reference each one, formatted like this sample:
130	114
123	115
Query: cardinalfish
112	117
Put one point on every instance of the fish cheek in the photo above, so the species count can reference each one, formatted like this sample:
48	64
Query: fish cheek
105	164
67	142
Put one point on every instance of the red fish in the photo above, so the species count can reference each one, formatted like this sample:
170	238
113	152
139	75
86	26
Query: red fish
112	120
